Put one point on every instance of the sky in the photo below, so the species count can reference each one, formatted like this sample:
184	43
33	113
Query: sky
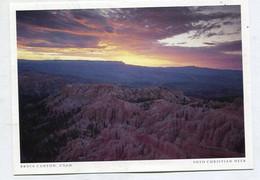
155	37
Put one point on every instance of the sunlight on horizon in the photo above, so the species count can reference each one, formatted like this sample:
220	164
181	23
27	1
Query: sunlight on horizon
125	57
150	37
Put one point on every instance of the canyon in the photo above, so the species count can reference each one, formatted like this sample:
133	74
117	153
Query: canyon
66	121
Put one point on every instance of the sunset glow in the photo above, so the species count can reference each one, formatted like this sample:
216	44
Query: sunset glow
155	37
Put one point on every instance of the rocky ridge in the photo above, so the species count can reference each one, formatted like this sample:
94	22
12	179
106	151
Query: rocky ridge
92	122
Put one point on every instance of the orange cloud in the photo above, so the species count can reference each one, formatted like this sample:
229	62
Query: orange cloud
78	32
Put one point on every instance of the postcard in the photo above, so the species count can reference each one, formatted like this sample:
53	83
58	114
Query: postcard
142	86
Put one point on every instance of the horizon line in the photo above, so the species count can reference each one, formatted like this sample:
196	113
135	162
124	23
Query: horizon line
109	61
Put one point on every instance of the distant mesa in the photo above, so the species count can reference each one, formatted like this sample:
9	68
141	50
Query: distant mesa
193	81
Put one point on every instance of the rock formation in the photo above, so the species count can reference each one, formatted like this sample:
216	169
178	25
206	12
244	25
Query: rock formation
99	122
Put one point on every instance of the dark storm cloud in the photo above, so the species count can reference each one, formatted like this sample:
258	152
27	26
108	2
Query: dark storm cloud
60	28
47	19
230	46
29	37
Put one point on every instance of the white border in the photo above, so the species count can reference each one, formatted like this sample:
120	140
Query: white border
130	166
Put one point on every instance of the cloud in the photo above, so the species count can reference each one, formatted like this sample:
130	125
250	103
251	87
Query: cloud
142	23
30	37
209	44
175	34
230	46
